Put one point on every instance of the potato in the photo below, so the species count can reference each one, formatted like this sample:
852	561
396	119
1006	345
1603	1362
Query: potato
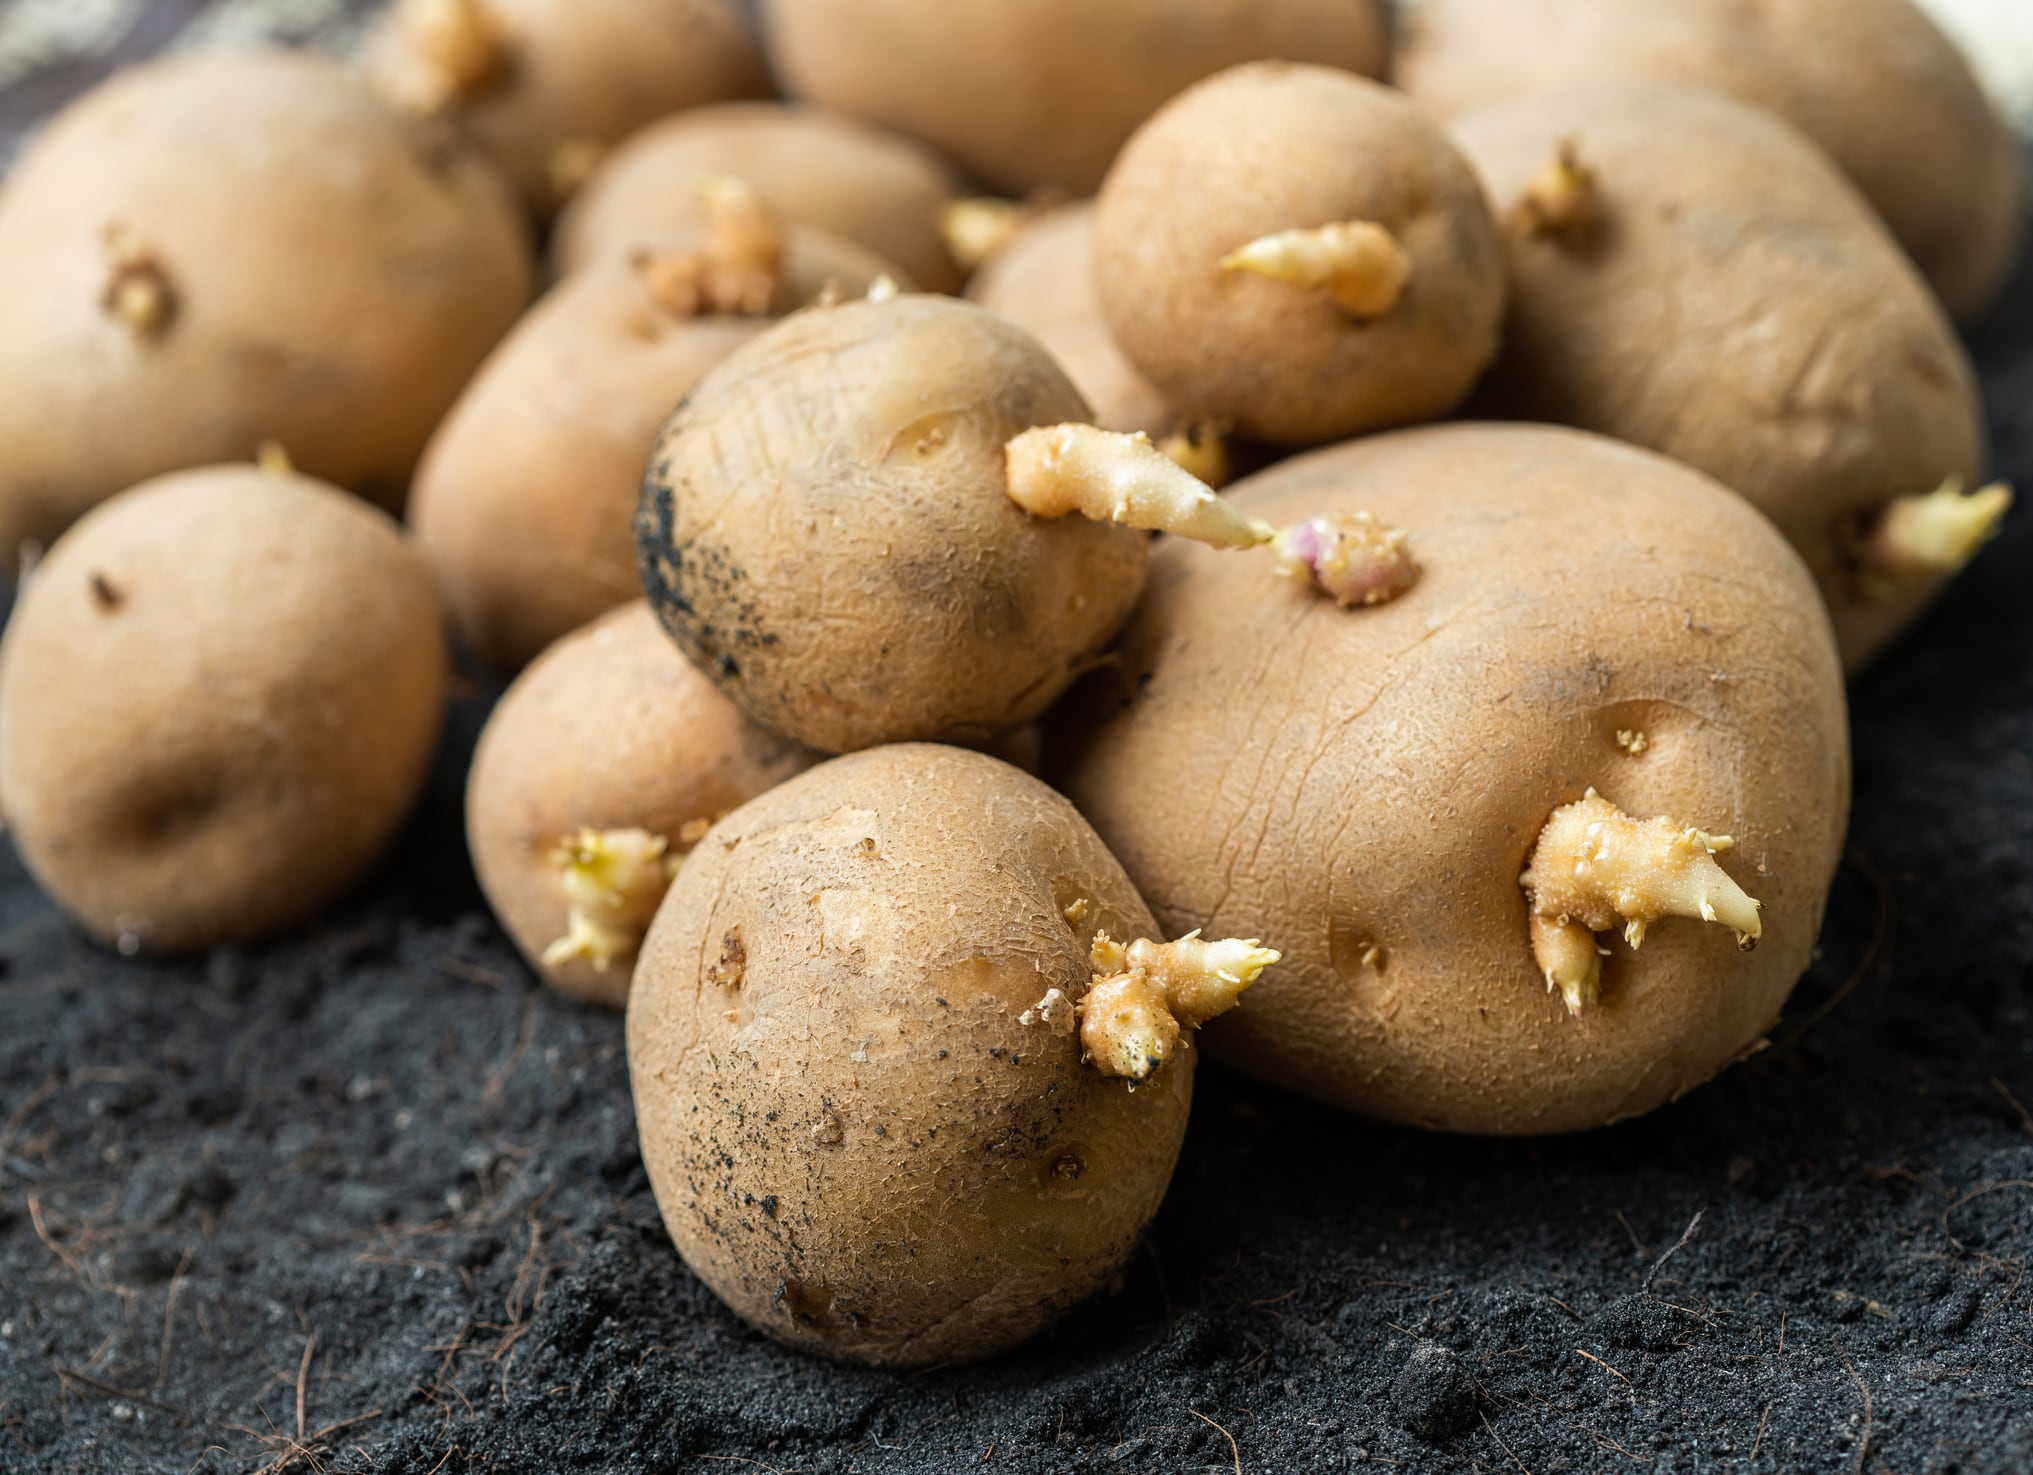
1043	281
1727	299
815	168
1039	94
526	499
1367	786
597	773
545	86
826	530
1874	82
220	694
1301	254
863	1105
214	251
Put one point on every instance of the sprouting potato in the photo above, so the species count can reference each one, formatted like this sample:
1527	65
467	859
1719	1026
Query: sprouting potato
1512	829
598	772
910	1063
1299	254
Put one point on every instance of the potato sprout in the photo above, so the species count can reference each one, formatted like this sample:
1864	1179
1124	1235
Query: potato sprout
1144	996
1126	479
1559	201
1933	535
1358	263
1596	868
614	881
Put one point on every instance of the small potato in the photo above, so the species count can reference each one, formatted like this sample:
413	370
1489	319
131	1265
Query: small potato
1717	292
856	1040
598	772
526	500
214	251
1874	82
826	529
1039	94
220	694
815	168
1043	281
1300	254
1370	787
545	86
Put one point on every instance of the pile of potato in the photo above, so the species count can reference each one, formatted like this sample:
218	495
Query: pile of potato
1487	776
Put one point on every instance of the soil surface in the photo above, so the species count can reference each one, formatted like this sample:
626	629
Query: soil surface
368	1199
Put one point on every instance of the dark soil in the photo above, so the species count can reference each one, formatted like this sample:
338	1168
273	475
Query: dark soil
369	1200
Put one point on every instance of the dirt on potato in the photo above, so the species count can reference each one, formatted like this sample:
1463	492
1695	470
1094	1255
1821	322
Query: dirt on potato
368	1199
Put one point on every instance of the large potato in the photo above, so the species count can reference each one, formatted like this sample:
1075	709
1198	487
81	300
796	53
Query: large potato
1732	303
525	501
827	530
1367	786
544	85
1039	94
1874	82
856	1137
1300	254
219	696
605	762
815	168
1043	281
214	251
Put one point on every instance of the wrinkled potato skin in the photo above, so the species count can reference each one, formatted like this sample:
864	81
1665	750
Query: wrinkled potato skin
525	501
1270	148
814	168
219	697
1740	311
859	1147
1874	82
1043	281
611	730
1331	778
252	178
1040	94
826	530
591	72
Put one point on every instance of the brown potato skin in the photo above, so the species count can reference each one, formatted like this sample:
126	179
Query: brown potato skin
611	729
254	178
1741	311
813	167
826	530
1274	147
1043	281
1040	94
1874	82
1267	763
525	502
220	695
591	71
859	1148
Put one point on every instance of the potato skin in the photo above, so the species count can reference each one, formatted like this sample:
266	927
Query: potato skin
858	1146
220	695
1874	82
611	729
589	72
826	530
1274	147
1039	94
814	168
1741	311
1269	763
1043	281
525	501
252	178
